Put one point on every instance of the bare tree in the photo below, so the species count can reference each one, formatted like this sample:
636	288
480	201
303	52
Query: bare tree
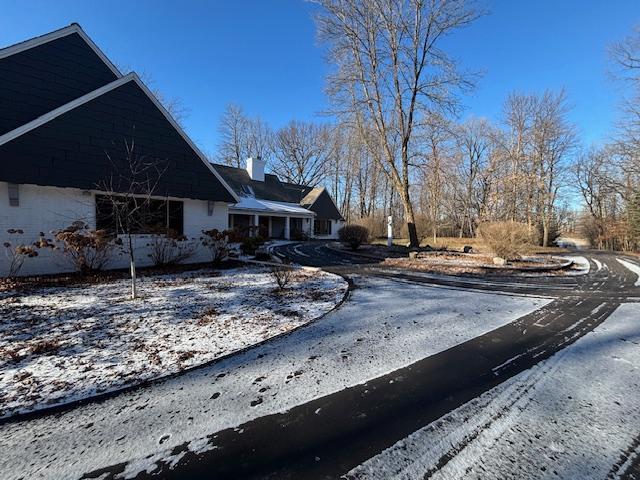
127	195
242	137
259	139
626	56
391	72
233	148
302	152
554	137
474	139
436	137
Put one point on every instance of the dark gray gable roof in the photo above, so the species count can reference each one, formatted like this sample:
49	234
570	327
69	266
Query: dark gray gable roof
315	199
319	201
36	78
70	149
271	189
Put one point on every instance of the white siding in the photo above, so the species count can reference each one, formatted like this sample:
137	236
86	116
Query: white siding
44	209
335	226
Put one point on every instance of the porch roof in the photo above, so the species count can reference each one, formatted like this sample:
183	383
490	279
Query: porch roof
249	204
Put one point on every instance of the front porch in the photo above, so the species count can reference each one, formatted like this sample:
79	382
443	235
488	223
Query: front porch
274	226
273	219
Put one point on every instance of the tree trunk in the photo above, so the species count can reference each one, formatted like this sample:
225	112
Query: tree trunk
132	264
414	241
134	292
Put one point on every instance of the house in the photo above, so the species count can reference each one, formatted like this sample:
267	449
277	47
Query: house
70	125
69	121
279	209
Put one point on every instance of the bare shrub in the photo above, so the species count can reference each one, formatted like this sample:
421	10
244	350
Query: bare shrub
169	248
87	250
17	253
282	275
508	240
45	347
218	244
353	236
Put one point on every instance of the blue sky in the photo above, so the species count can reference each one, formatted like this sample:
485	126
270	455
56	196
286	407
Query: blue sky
264	54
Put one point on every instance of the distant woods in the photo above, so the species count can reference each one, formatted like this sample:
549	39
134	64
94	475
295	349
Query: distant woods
608	176
398	144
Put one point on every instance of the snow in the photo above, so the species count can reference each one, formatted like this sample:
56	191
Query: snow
574	415
633	267
62	344
254	204
342	350
581	265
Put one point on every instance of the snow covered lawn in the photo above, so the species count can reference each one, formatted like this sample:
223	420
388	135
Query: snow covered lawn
65	343
575	415
385	325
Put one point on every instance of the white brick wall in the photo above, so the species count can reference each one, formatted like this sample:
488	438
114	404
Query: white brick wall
43	209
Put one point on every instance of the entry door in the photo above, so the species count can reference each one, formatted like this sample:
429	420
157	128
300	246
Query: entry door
263	223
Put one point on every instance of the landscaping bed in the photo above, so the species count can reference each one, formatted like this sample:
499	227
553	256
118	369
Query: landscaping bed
59	344
457	262
454	263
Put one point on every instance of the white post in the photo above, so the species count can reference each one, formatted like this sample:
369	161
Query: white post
287	230
389	231
311	227
256	223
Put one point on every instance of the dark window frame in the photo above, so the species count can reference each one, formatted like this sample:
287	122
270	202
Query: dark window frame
156	217
325	223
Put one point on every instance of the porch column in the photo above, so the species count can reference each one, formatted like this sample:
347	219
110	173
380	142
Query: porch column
270	233
312	225
256	222
287	230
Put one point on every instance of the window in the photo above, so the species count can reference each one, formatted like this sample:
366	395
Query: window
247	191
322	227
139	215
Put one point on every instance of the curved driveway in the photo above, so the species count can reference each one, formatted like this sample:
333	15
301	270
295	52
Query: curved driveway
334	432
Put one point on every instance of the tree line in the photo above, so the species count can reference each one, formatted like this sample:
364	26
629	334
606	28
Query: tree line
395	144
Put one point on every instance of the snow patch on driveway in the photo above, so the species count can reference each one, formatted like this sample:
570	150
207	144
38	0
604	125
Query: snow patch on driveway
633	267
386	325
581	265
575	415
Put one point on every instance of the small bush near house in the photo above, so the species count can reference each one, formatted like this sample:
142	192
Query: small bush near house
353	236
169	247
507	240
282	275
299	235
240	234
87	250
18	253
218	244
251	244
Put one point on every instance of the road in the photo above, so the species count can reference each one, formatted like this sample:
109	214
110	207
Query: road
333	433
